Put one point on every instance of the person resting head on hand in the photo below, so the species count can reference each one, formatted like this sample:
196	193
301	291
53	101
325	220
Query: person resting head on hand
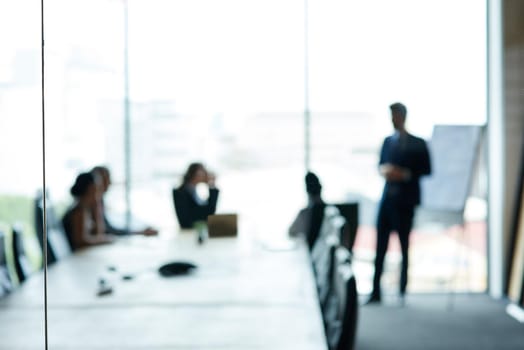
190	207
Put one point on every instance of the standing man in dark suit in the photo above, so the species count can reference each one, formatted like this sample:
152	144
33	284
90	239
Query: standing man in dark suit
404	159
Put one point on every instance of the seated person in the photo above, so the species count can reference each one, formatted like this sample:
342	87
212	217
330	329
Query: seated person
103	179
79	226
190	208
309	219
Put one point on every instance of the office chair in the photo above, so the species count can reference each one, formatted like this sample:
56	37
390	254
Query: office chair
22	266
323	253
58	246
348	234
5	280
341	310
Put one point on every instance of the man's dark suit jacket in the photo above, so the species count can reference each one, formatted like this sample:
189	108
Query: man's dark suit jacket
188	210
409	152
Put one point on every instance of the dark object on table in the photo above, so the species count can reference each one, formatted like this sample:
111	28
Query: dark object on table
176	268
127	277
104	288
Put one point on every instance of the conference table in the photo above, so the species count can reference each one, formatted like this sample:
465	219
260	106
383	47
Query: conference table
244	294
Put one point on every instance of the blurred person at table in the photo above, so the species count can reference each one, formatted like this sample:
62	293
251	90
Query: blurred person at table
80	228
190	207
103	179
309	219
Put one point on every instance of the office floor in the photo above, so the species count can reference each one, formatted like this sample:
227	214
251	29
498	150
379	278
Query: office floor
439	321
440	261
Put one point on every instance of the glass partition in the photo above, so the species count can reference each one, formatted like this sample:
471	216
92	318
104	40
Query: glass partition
21	313
147	87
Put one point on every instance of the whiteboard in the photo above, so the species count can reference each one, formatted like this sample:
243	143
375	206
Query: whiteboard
454	151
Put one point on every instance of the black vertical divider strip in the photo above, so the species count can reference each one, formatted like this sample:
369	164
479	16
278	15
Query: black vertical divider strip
515	226
44	187
520	205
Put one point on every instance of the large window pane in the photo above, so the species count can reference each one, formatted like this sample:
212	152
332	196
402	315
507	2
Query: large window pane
84	89
222	83
206	84
365	56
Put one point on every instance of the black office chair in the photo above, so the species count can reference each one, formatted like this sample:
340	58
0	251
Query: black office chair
323	252
336	285
341	309
315	223
348	233
6	285
347	279
22	265
58	246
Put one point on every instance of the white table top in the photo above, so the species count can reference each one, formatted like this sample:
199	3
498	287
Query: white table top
242	296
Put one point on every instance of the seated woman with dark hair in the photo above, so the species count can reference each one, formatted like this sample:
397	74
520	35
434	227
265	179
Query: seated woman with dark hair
80	228
190	208
309	219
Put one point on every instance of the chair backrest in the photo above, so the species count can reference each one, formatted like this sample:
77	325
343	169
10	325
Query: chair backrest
328	236
5	280
341	310
336	285
39	227
22	265
313	224
177	200
57	244
350	212
324	275
323	252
